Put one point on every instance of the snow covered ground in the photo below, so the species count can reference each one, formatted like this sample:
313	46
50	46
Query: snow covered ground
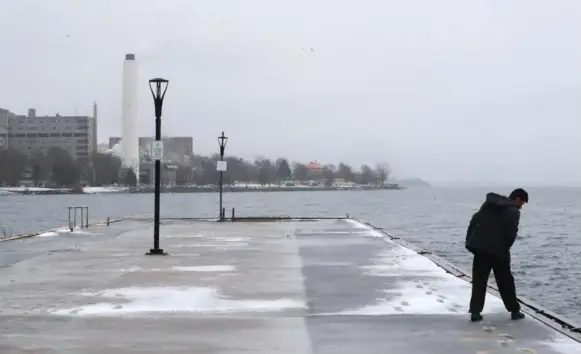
64	230
96	190
119	189
18	190
89	190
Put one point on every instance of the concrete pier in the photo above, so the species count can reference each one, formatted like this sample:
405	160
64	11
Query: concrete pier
293	287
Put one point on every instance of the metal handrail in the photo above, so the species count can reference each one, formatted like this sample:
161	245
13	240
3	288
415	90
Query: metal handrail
83	217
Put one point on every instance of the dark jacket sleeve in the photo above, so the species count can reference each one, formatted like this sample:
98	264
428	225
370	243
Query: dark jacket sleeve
511	226
471	225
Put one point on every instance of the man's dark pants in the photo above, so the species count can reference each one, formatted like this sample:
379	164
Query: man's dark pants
481	266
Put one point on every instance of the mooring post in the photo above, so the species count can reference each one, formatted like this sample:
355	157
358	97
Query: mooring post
82	217
74	219
108	221
233	214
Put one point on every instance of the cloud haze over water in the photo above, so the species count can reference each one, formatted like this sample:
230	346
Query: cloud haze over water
466	91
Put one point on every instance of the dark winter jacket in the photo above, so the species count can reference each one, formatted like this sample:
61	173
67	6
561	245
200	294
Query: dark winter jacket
493	228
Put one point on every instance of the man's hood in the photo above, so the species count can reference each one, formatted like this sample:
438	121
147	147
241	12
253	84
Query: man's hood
494	199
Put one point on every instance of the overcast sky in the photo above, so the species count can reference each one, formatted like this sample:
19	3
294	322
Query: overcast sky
449	91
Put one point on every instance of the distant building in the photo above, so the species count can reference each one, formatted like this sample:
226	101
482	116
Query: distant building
168	173
4	114
30	133
3	138
102	147
176	149
314	166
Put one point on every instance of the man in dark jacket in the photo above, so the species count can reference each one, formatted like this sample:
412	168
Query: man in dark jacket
490	235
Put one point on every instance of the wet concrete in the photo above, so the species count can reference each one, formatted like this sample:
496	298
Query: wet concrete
277	287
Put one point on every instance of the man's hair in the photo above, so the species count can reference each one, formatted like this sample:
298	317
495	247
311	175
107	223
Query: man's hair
519	193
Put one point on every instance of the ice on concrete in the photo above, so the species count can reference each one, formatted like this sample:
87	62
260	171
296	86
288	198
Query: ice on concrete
139	300
215	268
444	298
563	345
403	261
433	290
259	309
362	227
65	230
212	245
193	235
212	268
139	269
48	234
232	239
215	240
187	255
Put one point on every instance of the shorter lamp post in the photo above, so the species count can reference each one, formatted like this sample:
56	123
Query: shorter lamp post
221	167
158	88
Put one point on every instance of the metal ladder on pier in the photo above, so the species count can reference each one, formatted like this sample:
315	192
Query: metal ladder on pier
80	214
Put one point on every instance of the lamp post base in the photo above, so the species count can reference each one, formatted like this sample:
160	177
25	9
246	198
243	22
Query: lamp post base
156	252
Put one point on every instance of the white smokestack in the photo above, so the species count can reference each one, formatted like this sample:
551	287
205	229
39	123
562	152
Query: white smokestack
129	139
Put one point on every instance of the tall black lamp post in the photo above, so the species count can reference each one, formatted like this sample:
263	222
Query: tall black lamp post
158	88
221	167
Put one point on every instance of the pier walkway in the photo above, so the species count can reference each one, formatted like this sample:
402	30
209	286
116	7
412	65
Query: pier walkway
293	287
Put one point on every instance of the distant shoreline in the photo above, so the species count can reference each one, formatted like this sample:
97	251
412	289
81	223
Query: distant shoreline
191	189
229	189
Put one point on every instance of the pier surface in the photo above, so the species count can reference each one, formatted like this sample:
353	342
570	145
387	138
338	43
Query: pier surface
293	287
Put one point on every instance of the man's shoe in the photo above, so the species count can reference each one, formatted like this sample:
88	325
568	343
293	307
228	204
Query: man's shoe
517	315
475	317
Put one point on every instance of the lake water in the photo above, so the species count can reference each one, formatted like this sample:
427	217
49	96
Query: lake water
546	257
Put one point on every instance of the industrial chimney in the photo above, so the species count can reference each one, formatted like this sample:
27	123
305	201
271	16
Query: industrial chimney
129	139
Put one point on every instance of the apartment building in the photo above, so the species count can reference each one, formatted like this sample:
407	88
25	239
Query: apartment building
30	133
4	113
3	138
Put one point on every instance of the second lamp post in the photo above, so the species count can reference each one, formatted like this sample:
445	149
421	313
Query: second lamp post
221	167
158	88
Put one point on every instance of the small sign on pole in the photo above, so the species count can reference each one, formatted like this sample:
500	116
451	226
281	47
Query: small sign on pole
221	166
157	150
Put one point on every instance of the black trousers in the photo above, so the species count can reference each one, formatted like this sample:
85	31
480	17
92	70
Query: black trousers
481	266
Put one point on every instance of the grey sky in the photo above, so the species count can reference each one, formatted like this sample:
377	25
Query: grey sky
468	91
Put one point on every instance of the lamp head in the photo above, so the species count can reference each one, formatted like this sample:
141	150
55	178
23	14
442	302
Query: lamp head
158	87
222	141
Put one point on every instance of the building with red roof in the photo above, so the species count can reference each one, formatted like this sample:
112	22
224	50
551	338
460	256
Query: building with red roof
314	166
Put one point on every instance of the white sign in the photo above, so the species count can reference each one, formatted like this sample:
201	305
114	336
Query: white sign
157	150
221	166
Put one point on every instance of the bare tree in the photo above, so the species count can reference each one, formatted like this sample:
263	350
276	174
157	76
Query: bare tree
383	171
12	164
345	172
300	172
367	175
283	170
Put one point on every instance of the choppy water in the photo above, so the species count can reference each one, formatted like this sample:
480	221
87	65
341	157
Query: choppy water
546	257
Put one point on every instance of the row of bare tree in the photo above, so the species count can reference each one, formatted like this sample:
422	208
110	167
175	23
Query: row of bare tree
57	168
267	172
